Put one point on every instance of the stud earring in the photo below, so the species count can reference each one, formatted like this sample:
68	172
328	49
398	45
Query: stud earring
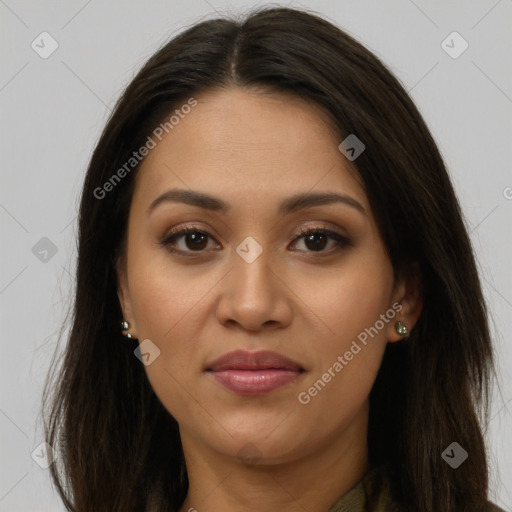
401	328
124	327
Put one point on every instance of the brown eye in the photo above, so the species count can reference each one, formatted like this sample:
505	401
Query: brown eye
194	240
316	239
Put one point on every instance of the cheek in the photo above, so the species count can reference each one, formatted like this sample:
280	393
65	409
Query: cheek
164	308
161	304
162	292
168	312
353	305
349	299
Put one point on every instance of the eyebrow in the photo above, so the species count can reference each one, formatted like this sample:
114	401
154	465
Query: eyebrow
289	205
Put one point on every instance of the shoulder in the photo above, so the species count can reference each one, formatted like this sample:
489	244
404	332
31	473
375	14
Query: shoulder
377	482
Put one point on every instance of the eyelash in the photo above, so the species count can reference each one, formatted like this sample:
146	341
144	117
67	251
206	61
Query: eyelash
341	241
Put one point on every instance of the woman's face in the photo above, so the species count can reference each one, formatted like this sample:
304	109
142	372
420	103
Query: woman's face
246	278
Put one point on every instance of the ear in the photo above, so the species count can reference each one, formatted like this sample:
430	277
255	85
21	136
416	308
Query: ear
408	294
123	293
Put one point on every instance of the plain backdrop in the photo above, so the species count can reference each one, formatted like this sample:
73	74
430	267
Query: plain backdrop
52	112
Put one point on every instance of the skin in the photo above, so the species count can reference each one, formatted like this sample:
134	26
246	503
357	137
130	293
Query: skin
253	149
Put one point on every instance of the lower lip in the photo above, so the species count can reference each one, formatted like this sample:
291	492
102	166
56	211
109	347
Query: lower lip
254	382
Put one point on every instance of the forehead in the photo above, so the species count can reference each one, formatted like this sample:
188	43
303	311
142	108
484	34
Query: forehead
247	145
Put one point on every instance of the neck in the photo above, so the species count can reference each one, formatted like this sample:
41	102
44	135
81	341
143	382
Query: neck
313	481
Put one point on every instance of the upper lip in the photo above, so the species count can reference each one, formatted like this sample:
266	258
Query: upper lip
244	360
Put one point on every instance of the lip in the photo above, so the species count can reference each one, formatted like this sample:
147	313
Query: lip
254	373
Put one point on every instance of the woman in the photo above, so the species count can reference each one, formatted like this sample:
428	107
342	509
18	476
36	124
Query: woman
277	302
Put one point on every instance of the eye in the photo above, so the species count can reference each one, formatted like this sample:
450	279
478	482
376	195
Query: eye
316	239
196	240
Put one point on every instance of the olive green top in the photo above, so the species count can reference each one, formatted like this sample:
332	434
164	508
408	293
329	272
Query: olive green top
356	500
374	486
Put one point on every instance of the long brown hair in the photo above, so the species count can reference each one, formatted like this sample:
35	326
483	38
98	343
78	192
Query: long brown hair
119	448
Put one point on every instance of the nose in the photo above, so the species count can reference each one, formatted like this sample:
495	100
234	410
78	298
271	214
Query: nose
254	295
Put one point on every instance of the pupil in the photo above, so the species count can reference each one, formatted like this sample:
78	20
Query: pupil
315	245
197	237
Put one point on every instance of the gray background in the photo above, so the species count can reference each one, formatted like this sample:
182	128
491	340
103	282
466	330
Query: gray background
53	110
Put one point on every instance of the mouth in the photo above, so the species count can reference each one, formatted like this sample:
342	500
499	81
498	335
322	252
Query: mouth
254	373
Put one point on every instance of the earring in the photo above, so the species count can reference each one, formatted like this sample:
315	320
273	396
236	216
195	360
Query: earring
401	328
124	327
